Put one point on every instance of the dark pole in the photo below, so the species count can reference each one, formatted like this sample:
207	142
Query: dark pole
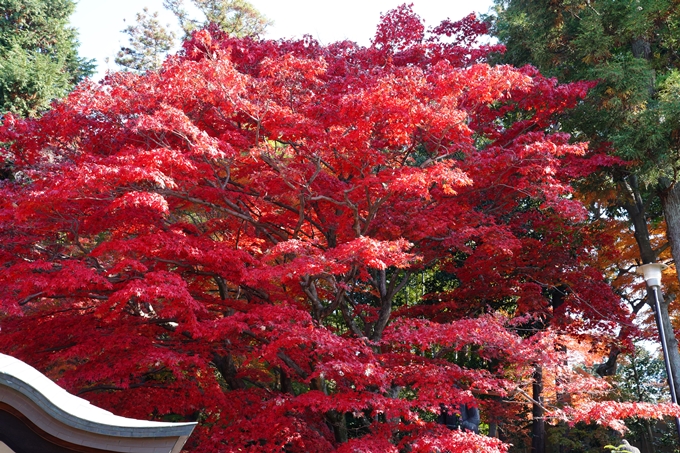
664	349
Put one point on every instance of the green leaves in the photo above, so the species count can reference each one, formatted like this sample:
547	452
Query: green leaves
29	80
38	54
149	43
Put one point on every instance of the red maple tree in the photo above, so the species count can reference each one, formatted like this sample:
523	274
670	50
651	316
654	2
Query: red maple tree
242	238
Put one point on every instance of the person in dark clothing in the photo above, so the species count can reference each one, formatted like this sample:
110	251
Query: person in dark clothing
466	420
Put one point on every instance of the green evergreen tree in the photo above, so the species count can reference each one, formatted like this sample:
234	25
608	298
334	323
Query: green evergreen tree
39	58
632	48
237	17
641	377
149	42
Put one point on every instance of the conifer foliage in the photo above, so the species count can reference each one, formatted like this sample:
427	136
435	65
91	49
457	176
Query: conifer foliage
38	54
150	41
232	239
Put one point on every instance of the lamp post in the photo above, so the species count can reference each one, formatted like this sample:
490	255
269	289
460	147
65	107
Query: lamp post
652	275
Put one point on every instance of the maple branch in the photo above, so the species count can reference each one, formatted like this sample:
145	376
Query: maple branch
223	182
663	248
349	303
113	387
219	280
355	210
317	170
291	364
309	288
30	298
372	210
280	354
385	307
272	163
393	290
234	211
344	309
531	400
226	367
301	218
636	307
294	210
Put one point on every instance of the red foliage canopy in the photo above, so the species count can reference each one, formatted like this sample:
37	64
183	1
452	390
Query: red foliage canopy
239	238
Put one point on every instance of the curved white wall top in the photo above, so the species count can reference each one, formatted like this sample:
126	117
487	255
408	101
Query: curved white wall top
75	421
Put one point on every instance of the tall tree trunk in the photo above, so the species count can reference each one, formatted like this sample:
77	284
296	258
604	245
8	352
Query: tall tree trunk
671	341
648	439
537	413
336	420
637	214
635	207
493	429
670	202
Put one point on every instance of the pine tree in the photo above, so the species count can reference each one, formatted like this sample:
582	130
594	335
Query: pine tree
631	48
236	17
38	54
149	42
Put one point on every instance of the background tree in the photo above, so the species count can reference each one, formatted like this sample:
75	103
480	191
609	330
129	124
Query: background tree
236	17
227	240
38	54
150	41
642	378
631	49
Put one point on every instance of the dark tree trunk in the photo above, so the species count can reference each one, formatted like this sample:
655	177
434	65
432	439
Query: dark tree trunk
286	382
225	365
637	213
636	209
339	424
671	341
670	201
538	421
493	429
336	421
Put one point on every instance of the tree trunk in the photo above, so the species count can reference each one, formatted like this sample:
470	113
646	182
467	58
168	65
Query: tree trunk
647	445
635	207
538	421
670	202
493	429
336	420
636	210
671	341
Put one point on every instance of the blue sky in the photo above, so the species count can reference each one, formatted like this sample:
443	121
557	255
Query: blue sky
99	22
